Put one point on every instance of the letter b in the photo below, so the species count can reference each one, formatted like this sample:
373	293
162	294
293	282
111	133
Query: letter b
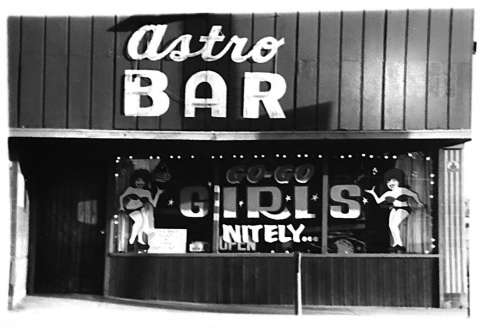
155	91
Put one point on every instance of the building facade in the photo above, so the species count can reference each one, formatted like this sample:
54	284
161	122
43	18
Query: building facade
189	157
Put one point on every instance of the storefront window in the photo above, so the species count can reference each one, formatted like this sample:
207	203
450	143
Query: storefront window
164	205
271	203
381	203
348	203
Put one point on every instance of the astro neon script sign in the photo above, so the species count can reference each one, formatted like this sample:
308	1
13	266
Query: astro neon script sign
140	83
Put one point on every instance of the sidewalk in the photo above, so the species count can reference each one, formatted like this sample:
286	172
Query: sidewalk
73	310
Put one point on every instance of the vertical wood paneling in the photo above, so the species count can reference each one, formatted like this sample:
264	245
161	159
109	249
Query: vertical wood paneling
394	70
14	49
415	100
307	71
306	77
425	81
438	69
103	72
460	69
286	27
270	280
56	72
196	25
328	71
262	25
172	119
152	122
79	72
241	25
32	72
372	70
221	66
121	63
351	70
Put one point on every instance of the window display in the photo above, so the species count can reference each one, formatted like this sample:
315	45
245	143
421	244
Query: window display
389	203
347	203
164	205
271	203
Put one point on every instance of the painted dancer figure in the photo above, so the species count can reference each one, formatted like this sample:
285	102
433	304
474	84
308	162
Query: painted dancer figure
139	204
397	199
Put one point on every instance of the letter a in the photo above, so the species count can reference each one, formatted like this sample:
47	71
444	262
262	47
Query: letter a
218	102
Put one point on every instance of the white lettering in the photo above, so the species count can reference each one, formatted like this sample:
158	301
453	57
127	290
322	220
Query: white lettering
155	91
263	50
354	208
218	101
253	96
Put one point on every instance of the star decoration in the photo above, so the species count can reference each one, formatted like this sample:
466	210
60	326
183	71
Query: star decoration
170	202
288	198
315	197
364	200
240	203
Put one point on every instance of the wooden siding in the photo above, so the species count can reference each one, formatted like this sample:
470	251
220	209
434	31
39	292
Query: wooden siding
372	281
265	279
209	279
350	71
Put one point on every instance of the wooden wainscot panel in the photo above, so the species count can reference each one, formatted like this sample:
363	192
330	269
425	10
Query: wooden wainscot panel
370	281
203	278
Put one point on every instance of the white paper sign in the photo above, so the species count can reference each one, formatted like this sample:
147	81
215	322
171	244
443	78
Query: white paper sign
168	241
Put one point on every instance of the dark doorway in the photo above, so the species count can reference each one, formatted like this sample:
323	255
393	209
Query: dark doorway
67	234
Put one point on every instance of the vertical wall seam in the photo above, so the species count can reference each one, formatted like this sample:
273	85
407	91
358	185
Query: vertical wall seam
362	68
159	119
275	31
429	23
407	22
250	63
67	94
449	66
114	70
44	52
382	106
92	44
317	75
340	64
19	70
136	66
295	78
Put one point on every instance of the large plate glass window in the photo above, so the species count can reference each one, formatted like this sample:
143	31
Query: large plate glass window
382	202
164	205
271	203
